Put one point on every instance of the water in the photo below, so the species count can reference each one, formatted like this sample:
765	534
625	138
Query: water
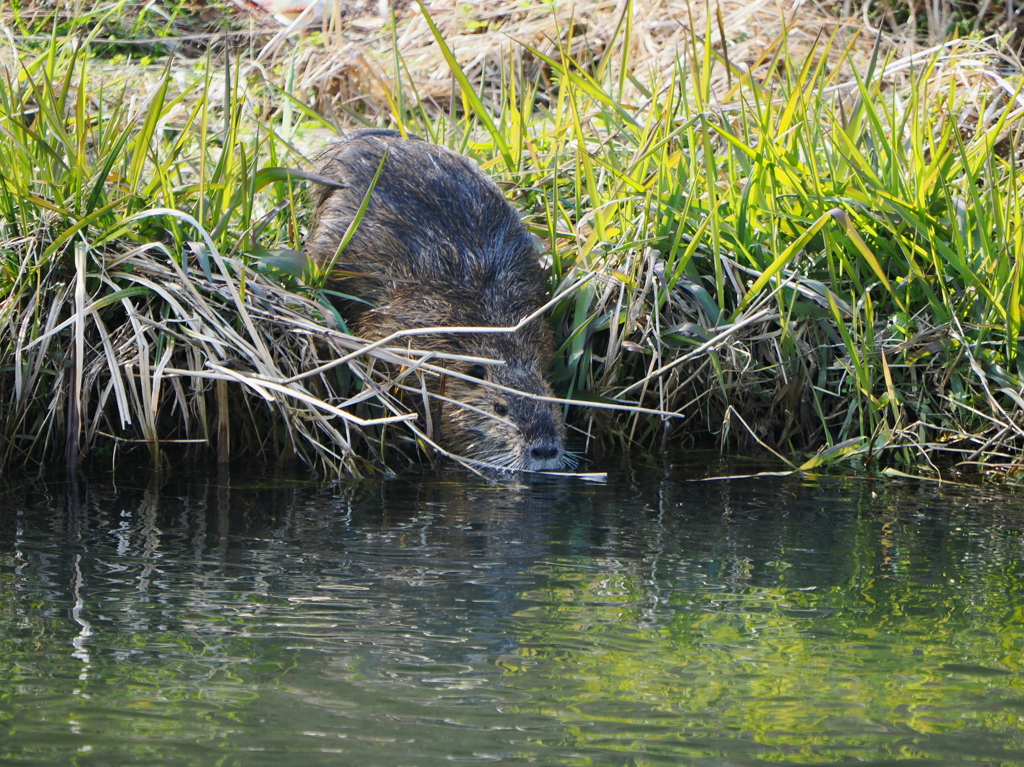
438	620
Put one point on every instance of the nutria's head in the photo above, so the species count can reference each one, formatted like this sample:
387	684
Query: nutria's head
482	417
499	427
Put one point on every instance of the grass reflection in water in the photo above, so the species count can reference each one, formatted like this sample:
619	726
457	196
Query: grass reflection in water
639	622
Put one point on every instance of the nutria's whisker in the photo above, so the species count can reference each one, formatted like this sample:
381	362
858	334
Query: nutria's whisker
571	460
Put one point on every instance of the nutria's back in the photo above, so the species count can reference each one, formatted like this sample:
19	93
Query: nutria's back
439	245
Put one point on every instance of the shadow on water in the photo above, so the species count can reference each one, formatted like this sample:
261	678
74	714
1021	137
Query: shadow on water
649	620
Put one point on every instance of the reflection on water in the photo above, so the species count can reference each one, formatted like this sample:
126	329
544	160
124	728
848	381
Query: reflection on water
650	620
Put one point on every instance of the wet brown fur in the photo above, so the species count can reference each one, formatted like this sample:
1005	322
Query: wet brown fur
440	246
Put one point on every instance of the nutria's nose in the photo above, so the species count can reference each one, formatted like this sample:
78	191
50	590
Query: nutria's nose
544	452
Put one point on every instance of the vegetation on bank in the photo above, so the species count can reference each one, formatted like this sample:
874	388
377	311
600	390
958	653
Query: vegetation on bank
823	262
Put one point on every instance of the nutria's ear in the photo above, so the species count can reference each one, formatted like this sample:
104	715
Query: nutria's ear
478	371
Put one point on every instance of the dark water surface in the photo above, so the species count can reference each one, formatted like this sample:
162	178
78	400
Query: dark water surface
650	620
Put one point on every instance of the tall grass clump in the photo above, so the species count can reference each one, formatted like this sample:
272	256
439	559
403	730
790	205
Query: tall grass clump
137	306
815	254
823	261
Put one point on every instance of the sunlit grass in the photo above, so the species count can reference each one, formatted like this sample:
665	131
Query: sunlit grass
133	211
825	264
827	260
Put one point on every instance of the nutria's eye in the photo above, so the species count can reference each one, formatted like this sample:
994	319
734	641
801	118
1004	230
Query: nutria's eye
477	371
500	408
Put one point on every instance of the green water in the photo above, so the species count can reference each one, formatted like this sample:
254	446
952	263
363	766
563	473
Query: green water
650	620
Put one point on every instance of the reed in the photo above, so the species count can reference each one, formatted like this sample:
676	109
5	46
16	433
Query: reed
136	306
817	254
823	264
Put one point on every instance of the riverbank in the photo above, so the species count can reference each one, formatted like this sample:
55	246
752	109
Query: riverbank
796	244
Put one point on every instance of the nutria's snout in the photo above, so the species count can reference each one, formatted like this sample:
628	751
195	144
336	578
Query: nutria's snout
545	457
542	438
505	430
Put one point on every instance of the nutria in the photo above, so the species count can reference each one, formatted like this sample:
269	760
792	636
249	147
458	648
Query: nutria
440	246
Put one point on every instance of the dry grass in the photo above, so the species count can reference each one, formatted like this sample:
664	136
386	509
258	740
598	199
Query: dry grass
355	69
